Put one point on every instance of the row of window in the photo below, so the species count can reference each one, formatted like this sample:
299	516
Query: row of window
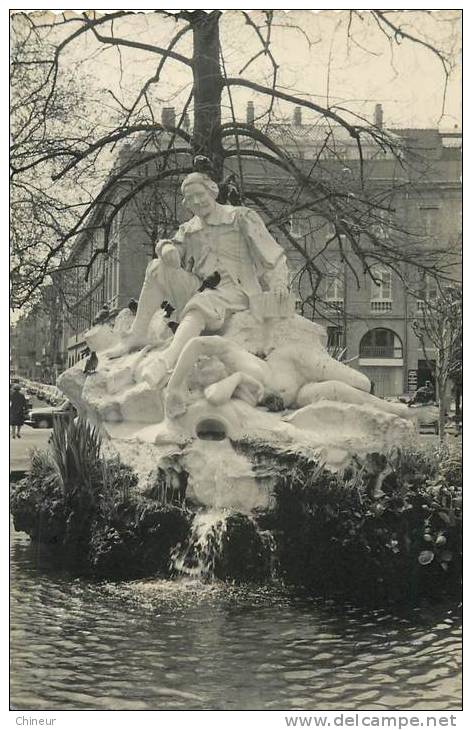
337	152
87	309
105	289
381	296
111	282
428	223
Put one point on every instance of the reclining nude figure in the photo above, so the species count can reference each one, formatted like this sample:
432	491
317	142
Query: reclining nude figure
290	377
222	261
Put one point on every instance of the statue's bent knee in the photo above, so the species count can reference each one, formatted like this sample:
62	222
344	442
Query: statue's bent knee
154	269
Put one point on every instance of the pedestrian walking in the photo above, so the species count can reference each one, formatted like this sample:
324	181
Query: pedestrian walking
18	407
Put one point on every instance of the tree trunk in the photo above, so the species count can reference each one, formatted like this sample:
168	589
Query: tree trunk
207	87
458	403
443	407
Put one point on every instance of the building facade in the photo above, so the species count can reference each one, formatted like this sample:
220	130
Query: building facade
36	339
370	315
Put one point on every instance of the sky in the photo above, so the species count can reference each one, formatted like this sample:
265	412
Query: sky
317	59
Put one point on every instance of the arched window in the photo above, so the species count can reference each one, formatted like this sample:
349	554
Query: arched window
380	343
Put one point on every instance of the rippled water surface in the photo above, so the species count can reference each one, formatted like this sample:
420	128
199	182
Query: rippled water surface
160	645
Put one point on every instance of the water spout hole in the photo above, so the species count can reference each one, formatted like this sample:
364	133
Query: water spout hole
211	429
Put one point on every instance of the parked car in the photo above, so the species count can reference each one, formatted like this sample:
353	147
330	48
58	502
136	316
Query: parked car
44	417
53	395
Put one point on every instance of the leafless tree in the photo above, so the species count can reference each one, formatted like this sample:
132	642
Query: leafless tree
60	145
439	329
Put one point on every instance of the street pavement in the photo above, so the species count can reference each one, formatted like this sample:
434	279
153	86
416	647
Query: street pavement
31	438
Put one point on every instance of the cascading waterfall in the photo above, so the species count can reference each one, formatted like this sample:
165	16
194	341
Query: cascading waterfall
198	556
223	478
270	543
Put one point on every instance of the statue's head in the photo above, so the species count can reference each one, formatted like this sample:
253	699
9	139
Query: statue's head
200	194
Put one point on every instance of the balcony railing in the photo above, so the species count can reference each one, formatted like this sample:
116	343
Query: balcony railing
380	306
387	351
337	304
422	304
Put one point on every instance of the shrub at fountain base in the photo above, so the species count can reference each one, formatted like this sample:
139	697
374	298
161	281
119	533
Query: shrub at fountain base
245	555
88	508
138	540
37	502
119	538
388	528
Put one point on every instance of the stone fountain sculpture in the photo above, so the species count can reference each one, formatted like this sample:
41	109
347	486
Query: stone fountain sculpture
214	354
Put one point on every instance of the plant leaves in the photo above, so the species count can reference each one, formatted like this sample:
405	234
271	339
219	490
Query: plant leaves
425	557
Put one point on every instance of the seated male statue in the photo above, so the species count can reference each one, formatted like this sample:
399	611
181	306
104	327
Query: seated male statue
227	247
